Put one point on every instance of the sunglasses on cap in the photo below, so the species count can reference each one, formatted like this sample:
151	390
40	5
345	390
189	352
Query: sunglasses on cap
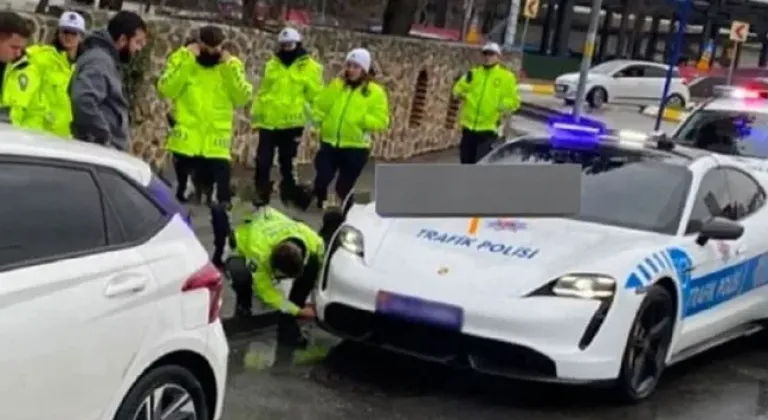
66	31
488	53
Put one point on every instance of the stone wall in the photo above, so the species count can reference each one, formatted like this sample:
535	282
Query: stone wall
423	116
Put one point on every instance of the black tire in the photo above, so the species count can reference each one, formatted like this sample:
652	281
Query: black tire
628	387
675	100
597	97
174	376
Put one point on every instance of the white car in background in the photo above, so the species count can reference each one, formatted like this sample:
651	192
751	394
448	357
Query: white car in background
625	81
109	307
667	257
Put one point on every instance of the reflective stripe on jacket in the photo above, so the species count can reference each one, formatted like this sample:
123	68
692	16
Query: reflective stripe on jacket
53	111
348	115
286	92
21	92
204	100
488	92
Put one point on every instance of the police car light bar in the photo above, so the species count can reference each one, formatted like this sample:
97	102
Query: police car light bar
738	92
567	129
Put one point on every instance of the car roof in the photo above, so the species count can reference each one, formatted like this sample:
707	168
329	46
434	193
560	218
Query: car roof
642	62
27	143
759	106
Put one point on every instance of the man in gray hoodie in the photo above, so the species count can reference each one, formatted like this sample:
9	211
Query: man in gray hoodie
100	108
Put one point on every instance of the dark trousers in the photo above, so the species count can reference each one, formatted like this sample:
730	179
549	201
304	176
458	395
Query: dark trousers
242	284
330	161
218	171
475	145
286	141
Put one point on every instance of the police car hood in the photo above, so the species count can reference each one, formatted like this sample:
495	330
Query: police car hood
514	256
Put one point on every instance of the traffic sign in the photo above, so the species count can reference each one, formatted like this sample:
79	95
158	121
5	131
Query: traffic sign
531	9
739	31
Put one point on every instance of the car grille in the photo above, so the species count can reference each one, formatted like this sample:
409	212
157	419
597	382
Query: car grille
437	344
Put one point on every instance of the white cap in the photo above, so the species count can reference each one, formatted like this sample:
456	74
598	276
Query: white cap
491	47
288	35
361	57
72	21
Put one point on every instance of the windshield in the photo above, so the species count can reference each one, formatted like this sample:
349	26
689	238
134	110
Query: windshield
606	68
729	132
636	189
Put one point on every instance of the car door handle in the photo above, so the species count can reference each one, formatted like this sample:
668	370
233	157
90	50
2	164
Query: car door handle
125	284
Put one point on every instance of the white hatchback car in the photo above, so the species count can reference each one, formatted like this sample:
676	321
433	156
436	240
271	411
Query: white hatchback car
109	307
625	81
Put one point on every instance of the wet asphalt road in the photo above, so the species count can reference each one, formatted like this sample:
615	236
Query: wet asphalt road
344	381
336	380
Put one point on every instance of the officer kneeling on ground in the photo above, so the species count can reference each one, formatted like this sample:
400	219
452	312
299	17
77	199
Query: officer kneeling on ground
270	246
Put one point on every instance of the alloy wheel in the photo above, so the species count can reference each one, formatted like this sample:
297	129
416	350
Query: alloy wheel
167	402
648	346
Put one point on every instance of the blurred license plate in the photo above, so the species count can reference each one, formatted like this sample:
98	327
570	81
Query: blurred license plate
420	310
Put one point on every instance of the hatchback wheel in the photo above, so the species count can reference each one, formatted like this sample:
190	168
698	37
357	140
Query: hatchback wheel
647	346
165	393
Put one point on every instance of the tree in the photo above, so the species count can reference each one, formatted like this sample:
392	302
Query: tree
399	16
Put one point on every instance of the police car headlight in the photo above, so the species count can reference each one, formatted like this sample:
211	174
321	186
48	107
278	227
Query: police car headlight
351	239
585	286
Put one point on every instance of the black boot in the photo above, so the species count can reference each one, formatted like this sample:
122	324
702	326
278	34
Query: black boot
289	333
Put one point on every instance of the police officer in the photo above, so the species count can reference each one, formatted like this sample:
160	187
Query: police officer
53	111
270	246
206	84
292	79
348	111
488	91
20	81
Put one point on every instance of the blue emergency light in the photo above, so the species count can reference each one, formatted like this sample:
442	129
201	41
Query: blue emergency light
567	131
566	128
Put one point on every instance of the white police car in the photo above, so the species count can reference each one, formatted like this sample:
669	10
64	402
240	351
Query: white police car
666	258
734	121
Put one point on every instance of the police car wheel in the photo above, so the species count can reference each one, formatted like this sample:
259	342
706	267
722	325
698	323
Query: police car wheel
675	101
597	97
649	339
171	389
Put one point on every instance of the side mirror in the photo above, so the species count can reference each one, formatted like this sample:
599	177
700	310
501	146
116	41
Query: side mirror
719	228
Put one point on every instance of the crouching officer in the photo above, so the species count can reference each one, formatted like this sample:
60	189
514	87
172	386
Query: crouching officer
270	246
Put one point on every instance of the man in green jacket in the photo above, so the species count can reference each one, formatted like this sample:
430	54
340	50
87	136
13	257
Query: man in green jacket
269	246
20	83
489	91
291	81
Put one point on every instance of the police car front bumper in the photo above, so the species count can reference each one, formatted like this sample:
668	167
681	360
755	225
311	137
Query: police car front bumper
532	338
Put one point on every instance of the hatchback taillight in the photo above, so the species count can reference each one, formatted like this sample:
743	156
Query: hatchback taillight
209	277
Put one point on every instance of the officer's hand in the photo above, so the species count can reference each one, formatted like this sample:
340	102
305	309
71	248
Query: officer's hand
225	56
194	48
308	312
